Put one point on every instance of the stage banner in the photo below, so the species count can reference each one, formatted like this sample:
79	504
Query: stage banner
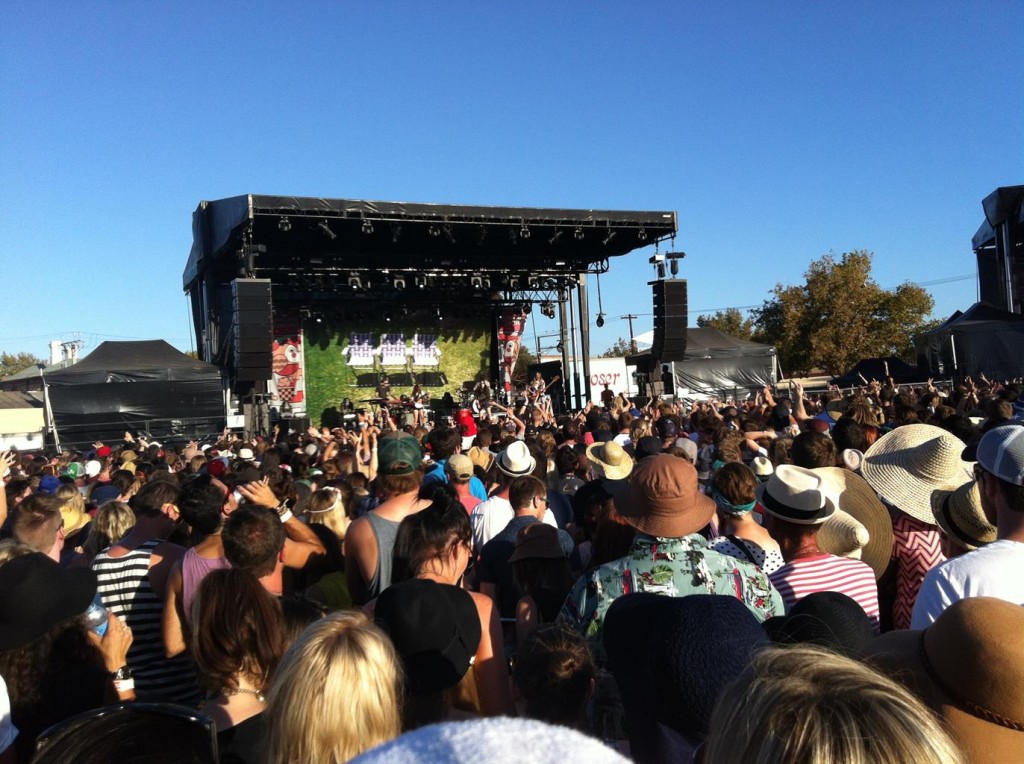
510	330
288	382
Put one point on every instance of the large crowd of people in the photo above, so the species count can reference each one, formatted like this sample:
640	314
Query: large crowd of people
830	577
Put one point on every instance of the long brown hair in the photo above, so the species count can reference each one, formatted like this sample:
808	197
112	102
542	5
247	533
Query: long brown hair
236	629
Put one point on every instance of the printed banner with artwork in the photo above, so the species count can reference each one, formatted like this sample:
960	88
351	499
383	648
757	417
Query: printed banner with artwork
288	382
510	331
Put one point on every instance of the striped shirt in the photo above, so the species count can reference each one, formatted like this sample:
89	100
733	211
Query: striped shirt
125	590
828	573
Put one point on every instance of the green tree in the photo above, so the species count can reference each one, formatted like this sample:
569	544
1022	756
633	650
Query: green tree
622	347
840	316
730	321
11	363
523	361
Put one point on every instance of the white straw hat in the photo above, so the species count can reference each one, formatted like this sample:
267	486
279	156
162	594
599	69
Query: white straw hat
907	466
610	460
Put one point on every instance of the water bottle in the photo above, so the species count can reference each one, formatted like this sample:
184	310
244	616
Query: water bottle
96	616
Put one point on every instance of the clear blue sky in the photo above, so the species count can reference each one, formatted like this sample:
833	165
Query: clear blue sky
778	132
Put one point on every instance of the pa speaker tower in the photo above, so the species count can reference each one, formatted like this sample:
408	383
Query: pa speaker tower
252	329
669	319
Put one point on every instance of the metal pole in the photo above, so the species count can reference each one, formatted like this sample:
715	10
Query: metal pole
584	337
575	351
563	341
632	344
50	423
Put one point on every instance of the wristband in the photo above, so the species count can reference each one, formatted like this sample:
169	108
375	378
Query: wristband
124	685
285	516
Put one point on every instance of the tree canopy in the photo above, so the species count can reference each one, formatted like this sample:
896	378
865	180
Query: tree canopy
621	348
840	316
12	363
730	321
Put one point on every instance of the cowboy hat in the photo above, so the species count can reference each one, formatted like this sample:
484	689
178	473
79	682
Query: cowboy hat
959	513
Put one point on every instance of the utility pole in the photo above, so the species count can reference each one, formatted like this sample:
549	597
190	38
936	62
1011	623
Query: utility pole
629	317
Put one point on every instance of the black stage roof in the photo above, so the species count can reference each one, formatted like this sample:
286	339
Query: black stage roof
1005	204
284	236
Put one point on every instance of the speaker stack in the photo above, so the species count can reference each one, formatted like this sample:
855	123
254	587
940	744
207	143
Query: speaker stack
253	329
670	320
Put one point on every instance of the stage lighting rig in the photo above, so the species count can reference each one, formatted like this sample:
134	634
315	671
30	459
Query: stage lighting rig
600	320
323	225
284	224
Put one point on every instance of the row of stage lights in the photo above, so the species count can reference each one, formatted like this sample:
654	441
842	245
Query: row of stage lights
447	231
426	314
477	282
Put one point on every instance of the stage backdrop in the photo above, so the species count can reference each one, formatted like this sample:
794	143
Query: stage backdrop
344	360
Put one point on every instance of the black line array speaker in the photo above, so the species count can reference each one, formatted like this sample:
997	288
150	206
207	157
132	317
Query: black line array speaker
669	319
252	333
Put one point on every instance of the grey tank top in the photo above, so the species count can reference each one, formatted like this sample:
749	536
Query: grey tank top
385	532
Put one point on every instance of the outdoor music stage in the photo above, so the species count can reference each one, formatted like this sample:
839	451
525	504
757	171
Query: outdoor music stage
307	301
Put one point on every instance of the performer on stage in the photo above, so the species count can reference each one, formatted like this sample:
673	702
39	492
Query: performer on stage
420	400
482	400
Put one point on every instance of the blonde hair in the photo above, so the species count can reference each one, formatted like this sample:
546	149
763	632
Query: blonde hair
9	549
813	706
335	694
72	508
329	507
112	521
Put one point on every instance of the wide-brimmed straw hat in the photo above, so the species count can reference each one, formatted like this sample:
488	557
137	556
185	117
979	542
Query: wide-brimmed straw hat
481	457
907	466
960	515
796	495
858	510
610	460
967	668
516	460
664	498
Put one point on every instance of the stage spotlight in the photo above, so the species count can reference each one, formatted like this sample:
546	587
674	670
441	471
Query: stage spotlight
367	227
578	233
396	232
421	282
557	235
434	230
327	230
319	318
673	266
661	270
476	282
399	282
642	234
600	320
447	230
608	237
524	232
515	283
532	283
387	317
355	282
284	224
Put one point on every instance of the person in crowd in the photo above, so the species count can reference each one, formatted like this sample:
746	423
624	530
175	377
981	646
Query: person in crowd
553	676
370	541
444	442
37	523
490	517
528	497
337	692
542	577
75	521
995	569
806	704
237	640
329	512
668	556
905	467
796	505
204	503
132	577
459	469
435	545
813	449
52	664
734	490
110	523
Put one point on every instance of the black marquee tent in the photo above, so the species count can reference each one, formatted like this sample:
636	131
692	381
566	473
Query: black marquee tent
981	340
717	361
145	385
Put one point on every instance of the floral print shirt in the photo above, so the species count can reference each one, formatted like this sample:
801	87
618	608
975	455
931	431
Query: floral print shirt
674	567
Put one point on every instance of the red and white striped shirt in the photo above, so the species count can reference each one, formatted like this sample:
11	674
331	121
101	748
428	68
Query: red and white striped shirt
828	573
